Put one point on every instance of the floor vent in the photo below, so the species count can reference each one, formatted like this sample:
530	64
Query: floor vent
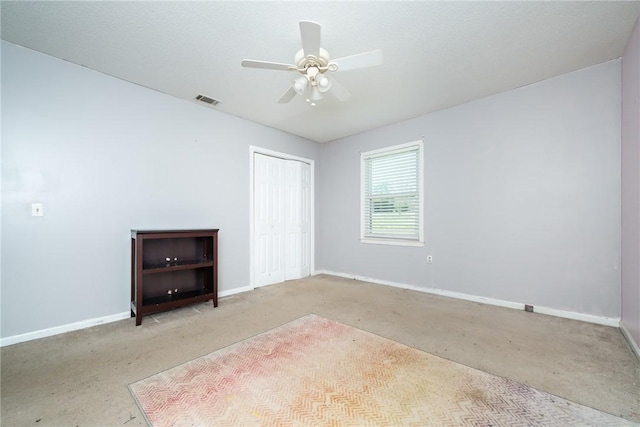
207	100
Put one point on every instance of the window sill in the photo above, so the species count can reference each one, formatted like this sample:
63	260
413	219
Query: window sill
391	242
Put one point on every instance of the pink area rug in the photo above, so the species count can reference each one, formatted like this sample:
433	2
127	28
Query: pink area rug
317	372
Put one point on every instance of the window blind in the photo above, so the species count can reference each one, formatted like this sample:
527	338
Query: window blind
391	193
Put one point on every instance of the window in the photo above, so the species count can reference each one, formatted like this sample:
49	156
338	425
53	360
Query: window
392	195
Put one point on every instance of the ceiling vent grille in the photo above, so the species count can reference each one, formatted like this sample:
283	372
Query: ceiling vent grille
207	100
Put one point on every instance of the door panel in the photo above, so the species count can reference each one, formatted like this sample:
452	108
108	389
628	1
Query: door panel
292	223
268	220
305	219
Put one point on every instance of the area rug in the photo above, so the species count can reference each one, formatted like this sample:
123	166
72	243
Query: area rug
318	372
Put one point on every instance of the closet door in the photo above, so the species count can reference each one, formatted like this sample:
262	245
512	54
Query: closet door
268	220
282	208
305	220
297	219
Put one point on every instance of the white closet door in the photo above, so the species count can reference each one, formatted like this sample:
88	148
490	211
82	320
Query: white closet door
296	219
269	220
305	220
282	208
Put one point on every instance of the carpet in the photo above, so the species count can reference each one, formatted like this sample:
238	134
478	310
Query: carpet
318	372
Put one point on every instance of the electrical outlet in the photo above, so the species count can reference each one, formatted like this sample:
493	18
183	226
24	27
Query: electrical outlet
429	259
528	308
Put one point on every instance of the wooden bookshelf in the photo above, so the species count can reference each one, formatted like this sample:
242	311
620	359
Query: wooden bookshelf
172	268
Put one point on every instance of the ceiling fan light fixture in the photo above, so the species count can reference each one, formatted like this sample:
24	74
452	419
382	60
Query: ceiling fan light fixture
324	84
300	84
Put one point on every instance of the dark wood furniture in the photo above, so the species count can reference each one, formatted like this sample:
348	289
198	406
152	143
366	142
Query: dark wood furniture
172	268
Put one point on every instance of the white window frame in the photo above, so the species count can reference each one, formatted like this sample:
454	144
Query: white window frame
403	241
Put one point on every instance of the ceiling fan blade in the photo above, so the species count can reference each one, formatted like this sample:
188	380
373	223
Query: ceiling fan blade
288	96
310	35
251	63
360	60
338	90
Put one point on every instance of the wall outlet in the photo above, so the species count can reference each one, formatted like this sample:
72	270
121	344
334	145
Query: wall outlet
528	308
429	259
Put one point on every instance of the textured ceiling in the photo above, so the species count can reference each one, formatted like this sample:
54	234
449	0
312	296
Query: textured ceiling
436	54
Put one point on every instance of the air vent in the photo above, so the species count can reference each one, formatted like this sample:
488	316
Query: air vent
207	100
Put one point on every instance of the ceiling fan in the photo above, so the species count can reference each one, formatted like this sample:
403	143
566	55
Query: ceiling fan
314	64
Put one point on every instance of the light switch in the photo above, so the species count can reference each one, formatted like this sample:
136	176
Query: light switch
37	209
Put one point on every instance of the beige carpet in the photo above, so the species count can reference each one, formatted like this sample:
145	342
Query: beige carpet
314	372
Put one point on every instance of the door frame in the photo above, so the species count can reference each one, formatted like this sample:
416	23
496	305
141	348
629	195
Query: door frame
285	156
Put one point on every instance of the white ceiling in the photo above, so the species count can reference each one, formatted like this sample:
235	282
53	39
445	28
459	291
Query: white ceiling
436	54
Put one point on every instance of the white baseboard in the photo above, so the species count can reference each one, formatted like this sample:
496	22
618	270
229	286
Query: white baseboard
600	320
29	336
632	343
234	291
615	322
43	333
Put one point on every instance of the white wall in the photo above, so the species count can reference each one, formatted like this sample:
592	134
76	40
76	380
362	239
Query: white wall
522	197
106	156
631	188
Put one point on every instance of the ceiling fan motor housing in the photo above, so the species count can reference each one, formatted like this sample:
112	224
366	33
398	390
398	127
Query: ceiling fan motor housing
313	69
304	62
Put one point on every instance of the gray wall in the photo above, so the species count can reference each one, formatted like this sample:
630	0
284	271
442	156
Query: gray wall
522	191
522	197
106	156
631	187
